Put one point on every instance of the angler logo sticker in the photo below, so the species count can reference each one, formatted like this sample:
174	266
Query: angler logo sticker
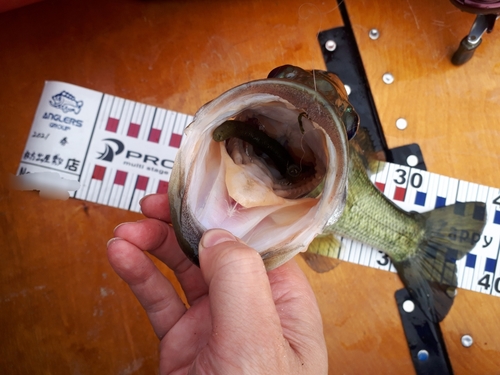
66	102
109	152
136	159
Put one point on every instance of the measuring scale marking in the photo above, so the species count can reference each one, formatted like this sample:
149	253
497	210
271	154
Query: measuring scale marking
423	191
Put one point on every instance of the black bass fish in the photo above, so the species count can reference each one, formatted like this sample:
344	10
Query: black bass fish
267	161
271	161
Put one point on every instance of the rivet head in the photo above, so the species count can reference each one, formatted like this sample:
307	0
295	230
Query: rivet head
374	34
388	78
330	45
347	89
412	160
423	355
467	341
408	306
401	123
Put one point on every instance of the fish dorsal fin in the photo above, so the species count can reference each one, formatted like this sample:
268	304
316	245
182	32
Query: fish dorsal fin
364	147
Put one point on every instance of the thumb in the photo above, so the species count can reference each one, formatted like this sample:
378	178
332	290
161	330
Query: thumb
240	294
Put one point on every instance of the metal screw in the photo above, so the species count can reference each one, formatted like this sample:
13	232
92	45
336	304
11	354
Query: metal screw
388	78
347	89
412	160
401	123
467	341
473	39
408	306
423	355
374	34
330	45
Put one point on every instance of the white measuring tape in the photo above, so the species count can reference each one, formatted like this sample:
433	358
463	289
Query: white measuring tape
121	150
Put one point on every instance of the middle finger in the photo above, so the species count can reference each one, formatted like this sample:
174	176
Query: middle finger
158	238
153	290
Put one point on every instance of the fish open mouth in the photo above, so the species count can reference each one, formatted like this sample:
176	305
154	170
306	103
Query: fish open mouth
276	146
267	162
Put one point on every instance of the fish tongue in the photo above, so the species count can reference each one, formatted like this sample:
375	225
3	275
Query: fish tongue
248	184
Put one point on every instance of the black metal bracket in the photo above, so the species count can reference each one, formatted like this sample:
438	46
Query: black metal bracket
400	155
425	340
342	57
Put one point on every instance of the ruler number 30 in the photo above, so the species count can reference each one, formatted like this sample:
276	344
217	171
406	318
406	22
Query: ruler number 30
415	179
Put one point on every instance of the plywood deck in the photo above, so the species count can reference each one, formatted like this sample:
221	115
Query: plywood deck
62	308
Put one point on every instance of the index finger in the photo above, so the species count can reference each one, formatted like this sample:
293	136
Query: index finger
156	206
168	251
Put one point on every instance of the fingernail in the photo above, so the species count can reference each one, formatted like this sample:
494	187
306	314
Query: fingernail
215	236
140	202
112	240
119	225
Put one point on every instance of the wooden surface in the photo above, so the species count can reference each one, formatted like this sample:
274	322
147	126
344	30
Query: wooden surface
62	308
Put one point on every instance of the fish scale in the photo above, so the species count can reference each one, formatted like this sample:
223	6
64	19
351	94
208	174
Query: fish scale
398	228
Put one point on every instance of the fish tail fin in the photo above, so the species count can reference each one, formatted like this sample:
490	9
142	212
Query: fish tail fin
430	275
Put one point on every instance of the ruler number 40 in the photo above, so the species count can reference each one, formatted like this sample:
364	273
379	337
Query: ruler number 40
497	200
485	282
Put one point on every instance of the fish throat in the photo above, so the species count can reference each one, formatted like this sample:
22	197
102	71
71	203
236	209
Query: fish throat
283	152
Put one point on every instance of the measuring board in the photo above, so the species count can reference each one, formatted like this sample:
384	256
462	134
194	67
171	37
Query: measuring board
121	150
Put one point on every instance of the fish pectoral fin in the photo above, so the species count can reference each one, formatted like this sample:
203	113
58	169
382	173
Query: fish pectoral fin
322	253
320	263
326	244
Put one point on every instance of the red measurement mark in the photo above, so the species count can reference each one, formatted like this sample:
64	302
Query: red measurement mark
154	135
133	130
112	124
162	187
98	173
380	186
175	140
399	194
142	183
120	178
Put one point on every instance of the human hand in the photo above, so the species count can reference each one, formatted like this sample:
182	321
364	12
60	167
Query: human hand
240	320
